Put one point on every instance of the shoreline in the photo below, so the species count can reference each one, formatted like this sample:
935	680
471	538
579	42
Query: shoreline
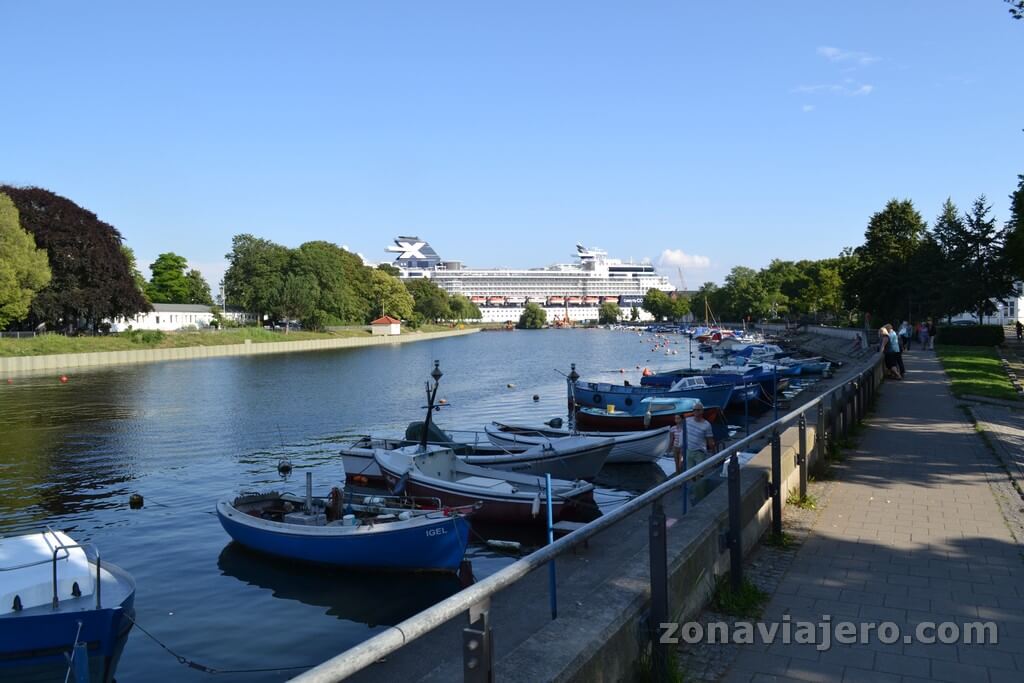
20	365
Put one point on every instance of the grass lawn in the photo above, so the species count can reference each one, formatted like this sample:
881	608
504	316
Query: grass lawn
976	370
47	344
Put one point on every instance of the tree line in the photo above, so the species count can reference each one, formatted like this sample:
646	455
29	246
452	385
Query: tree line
321	284
966	261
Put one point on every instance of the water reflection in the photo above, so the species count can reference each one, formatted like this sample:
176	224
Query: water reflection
370	598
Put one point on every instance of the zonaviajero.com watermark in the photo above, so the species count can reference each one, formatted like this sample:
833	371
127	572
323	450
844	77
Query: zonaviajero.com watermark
823	634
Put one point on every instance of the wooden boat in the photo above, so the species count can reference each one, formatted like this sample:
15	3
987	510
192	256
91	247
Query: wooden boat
602	395
366	534
579	458
62	610
500	496
628	447
651	413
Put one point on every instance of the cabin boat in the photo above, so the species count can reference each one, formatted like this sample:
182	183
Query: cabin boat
651	413
624	398
628	447
62	610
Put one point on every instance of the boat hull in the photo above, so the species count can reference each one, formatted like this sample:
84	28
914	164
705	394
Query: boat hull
636	447
600	395
435	545
581	462
591	418
35	643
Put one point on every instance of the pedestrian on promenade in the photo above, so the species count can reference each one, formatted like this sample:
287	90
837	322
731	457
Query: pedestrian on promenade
1020	331
932	331
676	443
890	347
922	334
904	335
700	442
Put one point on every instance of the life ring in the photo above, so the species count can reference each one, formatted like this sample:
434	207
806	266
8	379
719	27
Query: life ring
597	399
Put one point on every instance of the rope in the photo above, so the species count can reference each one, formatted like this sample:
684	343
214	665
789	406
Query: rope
192	664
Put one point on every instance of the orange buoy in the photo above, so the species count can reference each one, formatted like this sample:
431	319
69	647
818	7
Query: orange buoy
63	379
647	372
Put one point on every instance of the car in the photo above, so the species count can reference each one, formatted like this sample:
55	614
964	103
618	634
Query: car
962	323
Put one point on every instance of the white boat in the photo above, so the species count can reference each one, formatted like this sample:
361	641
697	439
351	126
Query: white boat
628	447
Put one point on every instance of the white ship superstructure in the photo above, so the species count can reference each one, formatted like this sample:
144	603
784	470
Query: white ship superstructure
573	290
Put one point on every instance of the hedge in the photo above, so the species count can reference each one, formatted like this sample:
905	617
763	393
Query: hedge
970	335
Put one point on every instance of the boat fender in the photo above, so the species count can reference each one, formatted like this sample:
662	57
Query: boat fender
404	515
535	507
17	604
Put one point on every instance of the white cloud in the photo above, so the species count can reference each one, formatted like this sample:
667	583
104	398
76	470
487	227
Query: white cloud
848	88
834	54
677	258
807	108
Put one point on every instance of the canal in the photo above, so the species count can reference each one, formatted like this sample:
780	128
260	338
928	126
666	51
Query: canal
184	434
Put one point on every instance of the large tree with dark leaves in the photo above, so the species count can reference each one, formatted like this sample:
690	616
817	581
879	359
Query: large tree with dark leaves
92	280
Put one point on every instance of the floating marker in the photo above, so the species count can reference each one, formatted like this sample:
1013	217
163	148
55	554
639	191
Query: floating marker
63	379
510	385
536	397
135	501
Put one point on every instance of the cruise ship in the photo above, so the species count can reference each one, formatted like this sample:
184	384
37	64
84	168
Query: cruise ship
567	291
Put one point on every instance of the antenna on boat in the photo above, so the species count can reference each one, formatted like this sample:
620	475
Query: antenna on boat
436	374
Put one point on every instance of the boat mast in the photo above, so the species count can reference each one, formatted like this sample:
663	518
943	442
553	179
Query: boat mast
431	395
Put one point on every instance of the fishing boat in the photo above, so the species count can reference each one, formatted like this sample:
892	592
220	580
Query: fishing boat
650	413
500	496
62	610
578	458
601	394
360	532
628	447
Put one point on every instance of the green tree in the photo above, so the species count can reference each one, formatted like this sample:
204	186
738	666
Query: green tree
882	283
168	284
463	309
991	278
256	272
1014	248
389	269
657	303
343	282
24	269
680	306
609	313
198	289
389	297
133	268
298	298
431	302
703	303
91	280
533	318
744	295
634	314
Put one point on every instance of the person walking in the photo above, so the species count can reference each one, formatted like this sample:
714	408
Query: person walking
893	354
1020	331
922	335
700	442
904	336
676	443
932	331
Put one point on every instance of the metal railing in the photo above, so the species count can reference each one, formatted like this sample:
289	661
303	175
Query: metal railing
836	410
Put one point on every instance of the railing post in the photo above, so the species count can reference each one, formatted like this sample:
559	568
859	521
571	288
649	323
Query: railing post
801	457
776	482
478	645
845	402
659	588
552	577
819	432
735	524
855	404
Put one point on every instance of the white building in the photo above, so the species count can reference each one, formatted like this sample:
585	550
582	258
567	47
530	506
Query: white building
1008	310
386	325
167	318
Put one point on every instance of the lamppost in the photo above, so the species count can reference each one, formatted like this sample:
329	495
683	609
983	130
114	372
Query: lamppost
431	395
999	307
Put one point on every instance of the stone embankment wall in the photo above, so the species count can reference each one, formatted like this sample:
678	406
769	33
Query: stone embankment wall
68	361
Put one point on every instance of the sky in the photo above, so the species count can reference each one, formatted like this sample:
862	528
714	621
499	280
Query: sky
694	134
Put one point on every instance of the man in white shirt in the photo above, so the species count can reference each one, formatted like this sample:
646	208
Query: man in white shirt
700	438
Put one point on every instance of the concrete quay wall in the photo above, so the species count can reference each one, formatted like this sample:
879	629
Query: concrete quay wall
12	365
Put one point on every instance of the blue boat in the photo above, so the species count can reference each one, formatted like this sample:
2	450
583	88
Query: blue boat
62	610
712	393
363	532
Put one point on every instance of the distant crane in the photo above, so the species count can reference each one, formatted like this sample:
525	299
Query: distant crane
682	280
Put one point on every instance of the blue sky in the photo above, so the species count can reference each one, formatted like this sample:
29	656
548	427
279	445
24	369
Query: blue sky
703	134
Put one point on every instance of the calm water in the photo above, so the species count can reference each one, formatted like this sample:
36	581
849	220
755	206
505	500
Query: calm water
184	434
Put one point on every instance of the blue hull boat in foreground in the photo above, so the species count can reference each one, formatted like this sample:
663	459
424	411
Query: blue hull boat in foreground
601	395
62	611
366	534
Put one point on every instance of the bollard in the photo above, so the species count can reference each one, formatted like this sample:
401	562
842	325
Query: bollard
776	487
801	457
478	645
735	525
659	589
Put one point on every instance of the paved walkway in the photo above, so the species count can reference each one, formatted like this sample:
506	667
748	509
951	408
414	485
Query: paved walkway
912	533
